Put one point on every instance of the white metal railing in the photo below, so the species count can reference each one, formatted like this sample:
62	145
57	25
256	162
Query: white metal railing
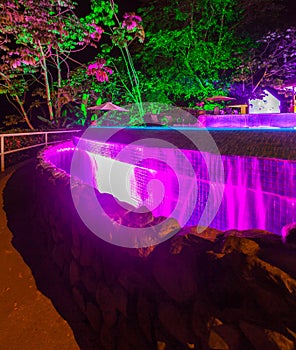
45	143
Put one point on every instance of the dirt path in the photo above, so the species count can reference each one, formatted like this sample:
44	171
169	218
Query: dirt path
28	320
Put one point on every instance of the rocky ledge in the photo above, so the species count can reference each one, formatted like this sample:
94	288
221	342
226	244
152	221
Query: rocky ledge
200	289
233	290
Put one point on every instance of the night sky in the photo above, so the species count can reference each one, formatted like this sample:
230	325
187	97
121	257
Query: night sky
288	16
124	6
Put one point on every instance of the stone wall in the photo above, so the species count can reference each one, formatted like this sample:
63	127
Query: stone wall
215	290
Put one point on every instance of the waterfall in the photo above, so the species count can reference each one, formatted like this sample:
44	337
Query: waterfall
245	193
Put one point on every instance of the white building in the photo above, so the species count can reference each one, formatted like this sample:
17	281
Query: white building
268	104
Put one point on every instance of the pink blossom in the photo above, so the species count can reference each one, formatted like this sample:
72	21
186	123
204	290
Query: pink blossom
99	69
101	76
132	15
97	34
131	21
108	70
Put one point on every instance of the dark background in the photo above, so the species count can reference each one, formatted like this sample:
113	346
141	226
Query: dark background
288	15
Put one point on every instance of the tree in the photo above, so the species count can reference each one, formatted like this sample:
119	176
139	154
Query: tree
270	64
14	86
87	91
37	40
121	34
191	48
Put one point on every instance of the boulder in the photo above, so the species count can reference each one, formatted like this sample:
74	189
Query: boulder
289	233
176	321
262	338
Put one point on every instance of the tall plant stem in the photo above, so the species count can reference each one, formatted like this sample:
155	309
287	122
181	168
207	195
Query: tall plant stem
46	82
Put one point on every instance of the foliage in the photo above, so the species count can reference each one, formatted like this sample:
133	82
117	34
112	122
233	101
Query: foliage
37	39
12	120
271	63
191	48
121	35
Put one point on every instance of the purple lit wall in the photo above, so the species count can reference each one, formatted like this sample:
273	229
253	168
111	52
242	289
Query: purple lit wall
257	192
273	120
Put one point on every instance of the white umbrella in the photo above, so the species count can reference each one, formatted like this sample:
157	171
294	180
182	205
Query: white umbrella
108	106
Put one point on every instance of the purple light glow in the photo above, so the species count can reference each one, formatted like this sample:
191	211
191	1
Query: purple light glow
257	192
140	175
252	121
147	170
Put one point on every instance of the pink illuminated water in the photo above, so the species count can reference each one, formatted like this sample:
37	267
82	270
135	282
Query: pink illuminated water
271	120
256	192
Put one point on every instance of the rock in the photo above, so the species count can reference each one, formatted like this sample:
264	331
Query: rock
140	217
162	336
176	322
289	233
144	252
270	306
106	303
113	208
262	338
120	299
253	233
217	342
184	239
74	274
130	330
232	336
201	289
97	267
79	298
273	276
152	234
88	279
94	317
124	344
56	234
76	245
168	227
146	314
87	251
108	338
176	273
241	245
281	256
201	321
134	281
158	220
161	345
281	341
207	233
61	254
292	334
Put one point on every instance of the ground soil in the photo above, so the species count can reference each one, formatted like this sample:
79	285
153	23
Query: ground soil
28	318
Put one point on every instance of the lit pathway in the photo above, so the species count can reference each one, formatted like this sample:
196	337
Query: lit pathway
28	320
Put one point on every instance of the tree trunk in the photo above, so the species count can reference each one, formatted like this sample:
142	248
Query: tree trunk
46	83
24	113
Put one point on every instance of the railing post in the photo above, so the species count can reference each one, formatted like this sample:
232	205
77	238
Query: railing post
45	139
2	152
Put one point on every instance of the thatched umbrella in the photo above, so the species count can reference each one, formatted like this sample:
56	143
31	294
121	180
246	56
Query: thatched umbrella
108	106
220	98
